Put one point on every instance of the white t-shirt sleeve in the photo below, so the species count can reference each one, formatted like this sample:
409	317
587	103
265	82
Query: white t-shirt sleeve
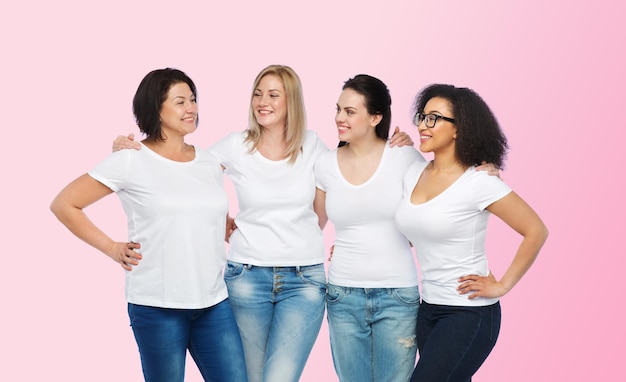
322	164
411	177
488	189
319	146
227	149
113	170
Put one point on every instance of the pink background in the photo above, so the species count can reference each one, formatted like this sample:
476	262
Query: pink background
553	72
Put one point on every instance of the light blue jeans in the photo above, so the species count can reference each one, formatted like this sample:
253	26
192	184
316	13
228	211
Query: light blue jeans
279	311
164	335
372	332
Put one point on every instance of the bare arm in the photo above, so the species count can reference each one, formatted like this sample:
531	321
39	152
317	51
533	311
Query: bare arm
230	227
516	213
68	208
319	206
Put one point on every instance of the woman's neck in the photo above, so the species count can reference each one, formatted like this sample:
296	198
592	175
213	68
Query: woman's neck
272	143
365	147
273	136
173	148
447	163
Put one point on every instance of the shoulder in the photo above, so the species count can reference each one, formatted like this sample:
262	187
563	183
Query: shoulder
487	186
312	138
206	156
415	169
326	157
406	153
124	156
311	135
230	144
233	138
313	143
236	137
483	177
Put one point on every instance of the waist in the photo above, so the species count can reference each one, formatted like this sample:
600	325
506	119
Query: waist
293	268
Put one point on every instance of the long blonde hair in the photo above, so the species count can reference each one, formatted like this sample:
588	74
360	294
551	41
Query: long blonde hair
295	129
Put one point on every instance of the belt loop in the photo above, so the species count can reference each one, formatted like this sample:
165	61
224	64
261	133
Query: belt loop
297	269
248	266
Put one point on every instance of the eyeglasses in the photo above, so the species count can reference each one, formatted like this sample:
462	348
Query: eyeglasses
430	119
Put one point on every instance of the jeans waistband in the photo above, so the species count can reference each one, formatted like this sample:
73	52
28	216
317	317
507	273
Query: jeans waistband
296	268
366	291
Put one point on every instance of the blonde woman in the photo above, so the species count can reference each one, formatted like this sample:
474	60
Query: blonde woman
275	272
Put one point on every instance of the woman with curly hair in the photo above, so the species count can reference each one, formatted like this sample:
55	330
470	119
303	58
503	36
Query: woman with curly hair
444	214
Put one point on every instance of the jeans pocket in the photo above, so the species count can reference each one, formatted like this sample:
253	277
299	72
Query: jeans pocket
408	296
314	275
334	294
233	271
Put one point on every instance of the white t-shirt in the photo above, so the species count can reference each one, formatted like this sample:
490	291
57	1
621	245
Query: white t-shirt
276	224
369	251
448	233
177	212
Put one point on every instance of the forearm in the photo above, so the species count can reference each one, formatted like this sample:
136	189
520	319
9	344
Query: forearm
524	258
79	224
319	206
322	220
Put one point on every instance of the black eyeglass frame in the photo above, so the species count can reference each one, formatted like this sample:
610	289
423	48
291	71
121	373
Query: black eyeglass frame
419	117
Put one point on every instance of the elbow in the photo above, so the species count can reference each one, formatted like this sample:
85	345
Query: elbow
60	208
545	233
55	208
540	234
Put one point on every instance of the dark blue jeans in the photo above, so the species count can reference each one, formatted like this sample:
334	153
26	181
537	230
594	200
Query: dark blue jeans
454	341
210	334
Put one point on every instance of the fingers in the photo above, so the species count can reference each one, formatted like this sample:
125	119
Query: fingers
123	142
131	245
480	286
393	141
471	283
400	138
129	258
490	168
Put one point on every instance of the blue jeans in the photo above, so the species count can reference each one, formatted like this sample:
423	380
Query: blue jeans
372	332
279	311
163	336
454	341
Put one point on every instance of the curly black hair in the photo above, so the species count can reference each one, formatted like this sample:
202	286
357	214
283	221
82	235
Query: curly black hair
478	136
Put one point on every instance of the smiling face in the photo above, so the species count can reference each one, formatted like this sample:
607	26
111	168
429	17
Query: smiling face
179	111
269	102
442	136
353	120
